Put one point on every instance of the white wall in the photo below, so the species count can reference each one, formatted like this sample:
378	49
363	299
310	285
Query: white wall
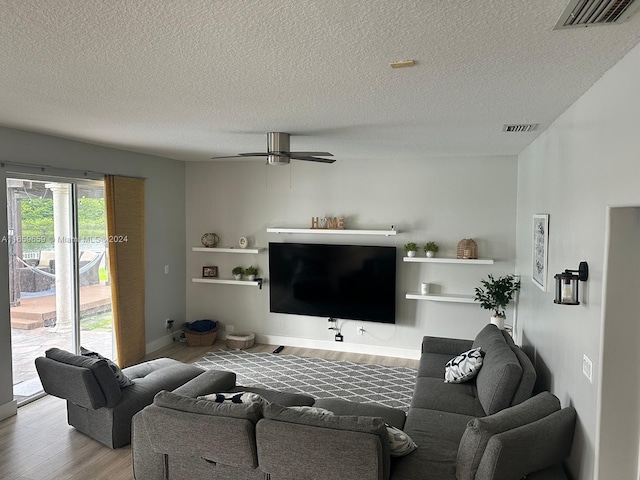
586	161
165	294
620	387
439	199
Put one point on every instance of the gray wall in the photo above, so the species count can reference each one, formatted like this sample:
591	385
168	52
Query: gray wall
165	224
439	199
586	161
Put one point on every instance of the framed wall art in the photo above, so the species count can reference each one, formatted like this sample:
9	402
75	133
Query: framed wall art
540	250
209	272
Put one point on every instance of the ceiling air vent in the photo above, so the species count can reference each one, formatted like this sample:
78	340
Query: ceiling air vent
586	13
521	127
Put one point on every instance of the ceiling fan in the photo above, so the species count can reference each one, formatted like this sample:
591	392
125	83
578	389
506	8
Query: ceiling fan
278	152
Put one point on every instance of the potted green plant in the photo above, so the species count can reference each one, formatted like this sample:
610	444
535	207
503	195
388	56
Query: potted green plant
430	249
251	273
496	295
410	249
237	273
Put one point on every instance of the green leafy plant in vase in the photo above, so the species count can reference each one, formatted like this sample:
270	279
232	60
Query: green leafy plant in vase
410	249
251	273
496	295
237	273
430	249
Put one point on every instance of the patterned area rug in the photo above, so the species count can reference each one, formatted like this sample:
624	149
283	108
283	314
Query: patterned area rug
318	377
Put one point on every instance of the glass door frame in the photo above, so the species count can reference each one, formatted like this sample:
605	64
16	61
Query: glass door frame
70	235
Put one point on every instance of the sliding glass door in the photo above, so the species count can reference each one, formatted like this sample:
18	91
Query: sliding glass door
58	277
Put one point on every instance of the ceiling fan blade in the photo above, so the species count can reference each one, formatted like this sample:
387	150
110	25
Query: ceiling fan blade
312	154
226	156
313	159
253	154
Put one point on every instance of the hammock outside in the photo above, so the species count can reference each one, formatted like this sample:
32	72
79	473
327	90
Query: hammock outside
83	269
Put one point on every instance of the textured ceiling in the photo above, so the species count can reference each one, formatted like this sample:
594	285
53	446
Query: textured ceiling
190	79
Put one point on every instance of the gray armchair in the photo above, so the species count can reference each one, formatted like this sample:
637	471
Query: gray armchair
96	405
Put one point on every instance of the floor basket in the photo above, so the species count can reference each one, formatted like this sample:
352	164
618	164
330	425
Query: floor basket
199	339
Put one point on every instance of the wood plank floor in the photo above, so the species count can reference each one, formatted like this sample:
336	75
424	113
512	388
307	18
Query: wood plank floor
38	444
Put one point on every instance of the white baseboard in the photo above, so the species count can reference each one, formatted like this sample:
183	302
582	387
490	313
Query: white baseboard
159	343
339	346
8	409
162	341
310	343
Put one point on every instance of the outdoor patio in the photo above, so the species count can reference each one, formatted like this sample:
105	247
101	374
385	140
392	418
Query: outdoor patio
30	339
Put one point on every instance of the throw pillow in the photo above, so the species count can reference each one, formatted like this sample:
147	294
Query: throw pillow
234	397
463	367
313	410
123	380
400	444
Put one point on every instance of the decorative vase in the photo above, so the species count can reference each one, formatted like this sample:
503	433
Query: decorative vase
209	240
431	253
411	253
251	278
237	276
498	321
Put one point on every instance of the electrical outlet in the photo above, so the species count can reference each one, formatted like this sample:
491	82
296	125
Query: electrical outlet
360	330
168	323
587	367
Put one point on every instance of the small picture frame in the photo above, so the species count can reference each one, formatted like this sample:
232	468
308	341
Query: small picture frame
540	253
210	272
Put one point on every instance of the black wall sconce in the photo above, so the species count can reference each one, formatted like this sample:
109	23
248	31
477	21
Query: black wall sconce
567	284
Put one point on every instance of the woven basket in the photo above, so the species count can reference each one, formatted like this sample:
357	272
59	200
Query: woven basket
467	248
198	339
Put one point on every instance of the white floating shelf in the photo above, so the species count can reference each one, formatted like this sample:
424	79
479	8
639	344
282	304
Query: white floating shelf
440	297
227	281
227	250
326	231
472	261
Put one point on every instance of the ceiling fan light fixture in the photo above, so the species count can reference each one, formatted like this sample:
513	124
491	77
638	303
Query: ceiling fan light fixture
274	159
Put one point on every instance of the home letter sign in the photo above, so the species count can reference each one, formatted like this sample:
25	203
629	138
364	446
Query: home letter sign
327	223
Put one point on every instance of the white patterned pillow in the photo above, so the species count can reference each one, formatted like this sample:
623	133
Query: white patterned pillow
234	397
123	380
400	444
313	410
463	367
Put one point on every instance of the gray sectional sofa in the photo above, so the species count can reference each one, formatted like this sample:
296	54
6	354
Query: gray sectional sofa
487	428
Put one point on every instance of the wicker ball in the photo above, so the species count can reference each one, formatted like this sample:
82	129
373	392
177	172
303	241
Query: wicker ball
467	248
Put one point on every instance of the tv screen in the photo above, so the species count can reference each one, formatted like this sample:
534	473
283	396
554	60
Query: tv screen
343	281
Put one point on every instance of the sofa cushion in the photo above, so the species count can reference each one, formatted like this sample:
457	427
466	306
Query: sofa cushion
207	382
500	374
108	391
392	416
463	367
326	436
529	376
246	411
434	394
480	430
432	364
216	432
509	454
487	335
437	435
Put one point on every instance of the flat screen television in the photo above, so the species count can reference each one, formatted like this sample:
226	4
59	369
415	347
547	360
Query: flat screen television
343	281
